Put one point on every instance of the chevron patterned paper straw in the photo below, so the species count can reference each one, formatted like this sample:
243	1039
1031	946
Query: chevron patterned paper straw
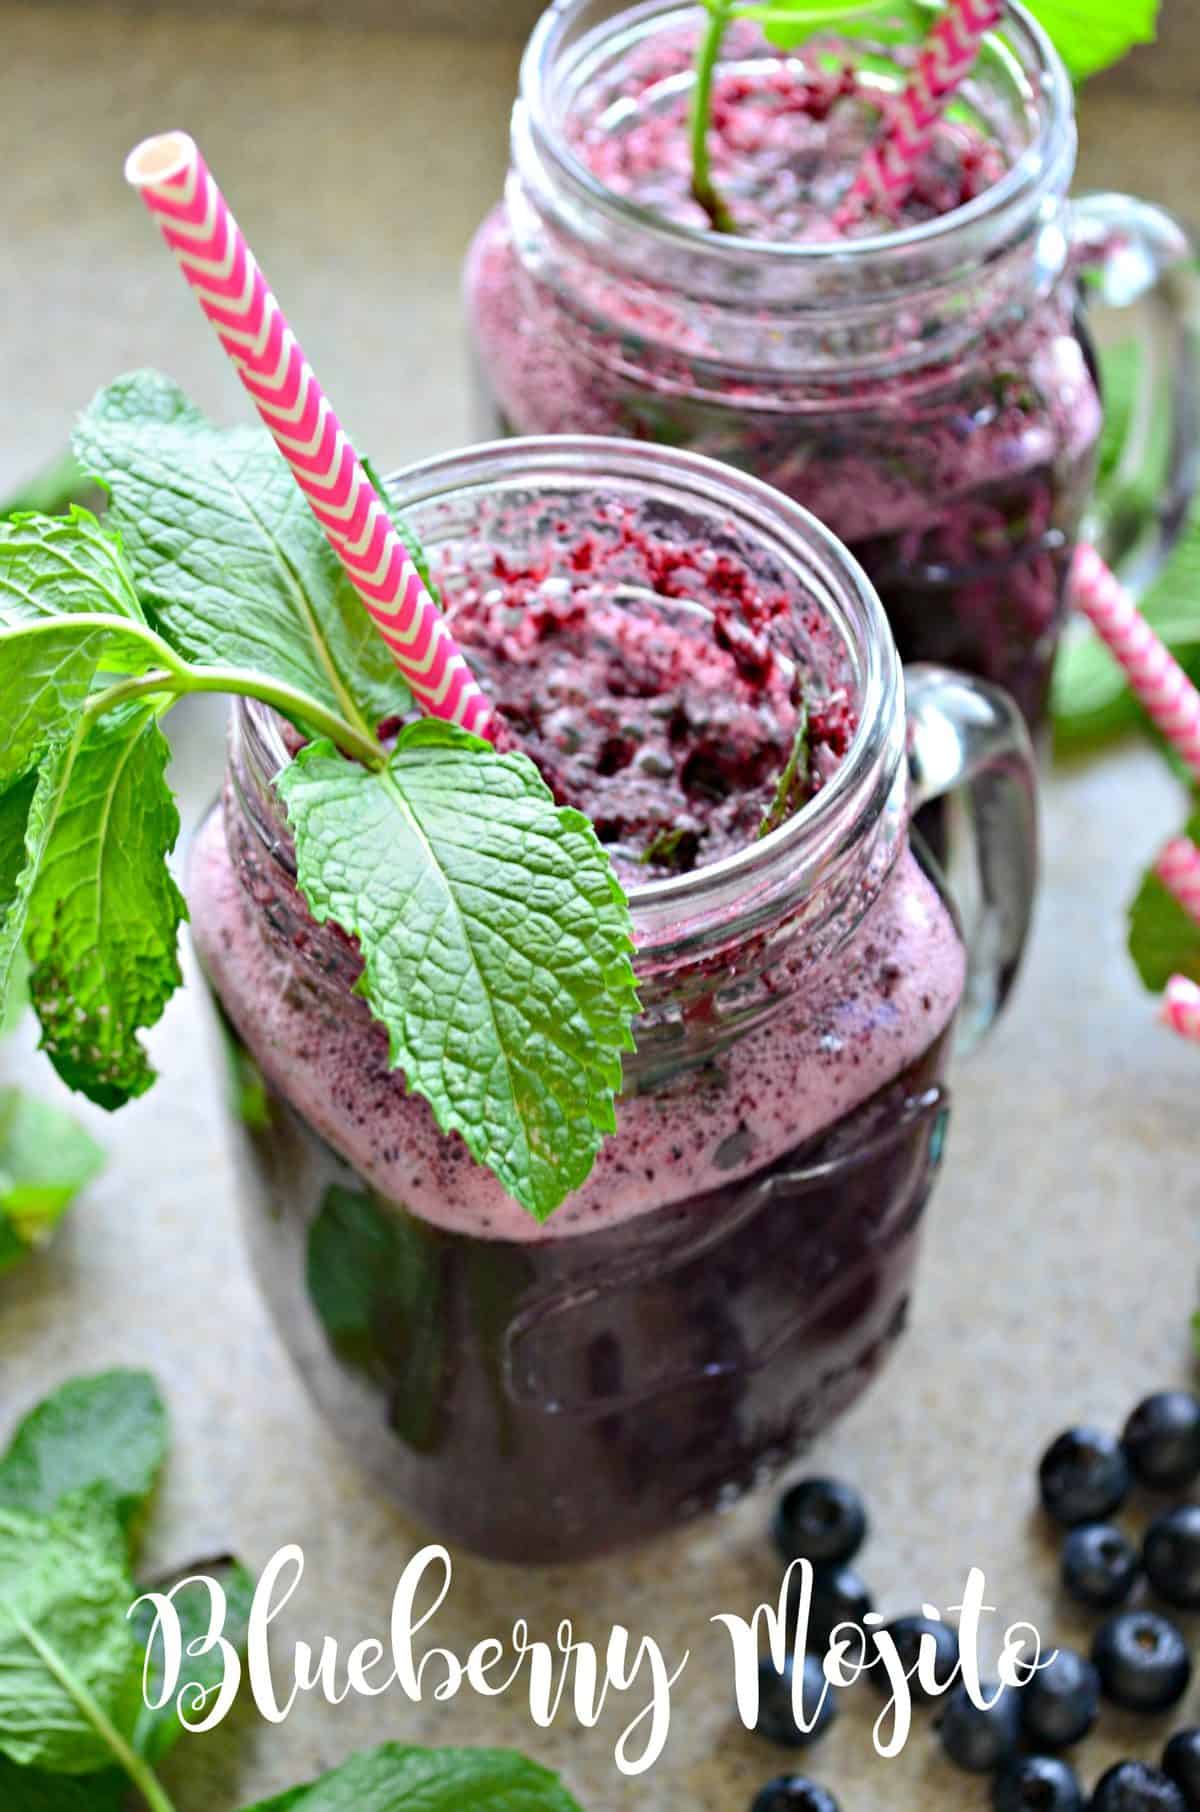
177	187
1178	868
1153	672
885	178
1181	1008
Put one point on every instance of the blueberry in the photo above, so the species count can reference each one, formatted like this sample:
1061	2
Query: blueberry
981	1741
1135	1787
839	1595
1038	1783
1162	1440
1142	1660
906	1633
1084	1476
1062	1701
1100	1565
1181	1760
792	1793
775	1719
1171	1556
820	1520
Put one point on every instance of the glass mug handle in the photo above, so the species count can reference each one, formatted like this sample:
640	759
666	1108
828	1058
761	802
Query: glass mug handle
968	745
1137	262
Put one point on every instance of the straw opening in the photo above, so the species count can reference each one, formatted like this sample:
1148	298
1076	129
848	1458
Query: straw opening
160	158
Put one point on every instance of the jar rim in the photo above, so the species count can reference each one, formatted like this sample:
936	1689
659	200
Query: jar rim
1019	191
746	887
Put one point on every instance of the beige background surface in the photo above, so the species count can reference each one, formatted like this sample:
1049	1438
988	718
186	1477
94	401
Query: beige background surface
1061	1248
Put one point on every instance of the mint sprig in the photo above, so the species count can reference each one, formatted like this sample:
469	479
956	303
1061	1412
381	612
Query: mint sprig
75	1732
496	941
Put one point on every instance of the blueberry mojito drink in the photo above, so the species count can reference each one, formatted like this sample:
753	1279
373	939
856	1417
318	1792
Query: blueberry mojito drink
920	381
590	1079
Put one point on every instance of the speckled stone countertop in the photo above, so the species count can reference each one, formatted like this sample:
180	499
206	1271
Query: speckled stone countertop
1060	1261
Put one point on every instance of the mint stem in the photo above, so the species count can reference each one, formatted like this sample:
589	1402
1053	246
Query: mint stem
703	188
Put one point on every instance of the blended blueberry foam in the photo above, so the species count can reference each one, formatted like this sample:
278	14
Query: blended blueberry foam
848	1031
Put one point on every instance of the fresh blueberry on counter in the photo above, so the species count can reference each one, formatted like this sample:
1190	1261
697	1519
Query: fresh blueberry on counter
1061	1703
1142	1660
1181	1761
1136	1787
792	1793
1038	1783
1171	1556
820	1520
1084	1476
1100	1565
1162	1440
839	1595
981	1741
775	1719
906	1633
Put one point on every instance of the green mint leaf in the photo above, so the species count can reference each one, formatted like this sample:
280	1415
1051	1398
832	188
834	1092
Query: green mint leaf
375	1280
63	566
104	912
1164	938
396	1779
14	1001
230	563
28	814
1090	35
48	671
109	1430
46	1158
792	791
157	1732
495	938
789	23
65	1645
29	1790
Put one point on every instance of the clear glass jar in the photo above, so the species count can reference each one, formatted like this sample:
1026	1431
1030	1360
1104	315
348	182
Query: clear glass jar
738	1265
928	393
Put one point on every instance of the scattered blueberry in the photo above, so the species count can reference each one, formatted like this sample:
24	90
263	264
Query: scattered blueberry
1136	1787
1084	1476
906	1633
981	1741
839	1595
775	1719
1162	1440
792	1793
1061	1703
1142	1660
1181	1760
1038	1783
1100	1565
821	1520
1171	1556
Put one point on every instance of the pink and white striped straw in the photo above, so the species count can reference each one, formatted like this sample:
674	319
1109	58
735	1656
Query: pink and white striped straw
885	177
1181	1008
1178	868
1153	672
178	188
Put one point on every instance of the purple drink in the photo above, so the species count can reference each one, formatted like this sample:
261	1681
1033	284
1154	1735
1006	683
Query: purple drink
654	632
928	394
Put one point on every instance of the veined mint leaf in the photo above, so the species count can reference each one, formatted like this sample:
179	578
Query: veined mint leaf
395	1779
495	938
1089	35
1164	938
48	670
28	813
29	1790
108	1430
104	912
63	566
229	561
64	1644
157	1732
46	1158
